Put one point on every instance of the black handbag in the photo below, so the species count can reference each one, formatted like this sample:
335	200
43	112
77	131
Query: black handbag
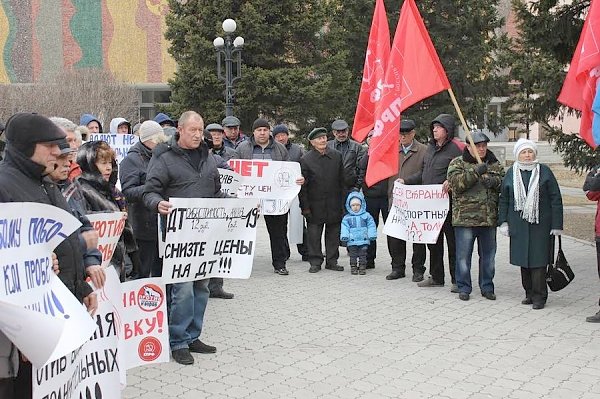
559	273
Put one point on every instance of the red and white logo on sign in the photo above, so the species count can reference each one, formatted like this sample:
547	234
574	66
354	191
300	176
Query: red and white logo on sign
150	297
149	349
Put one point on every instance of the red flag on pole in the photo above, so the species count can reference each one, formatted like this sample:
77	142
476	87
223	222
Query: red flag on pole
376	59
579	88
414	72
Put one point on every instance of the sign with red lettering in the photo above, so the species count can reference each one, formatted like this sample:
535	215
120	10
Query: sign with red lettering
93	370
144	321
418	213
209	237
109	227
274	182
34	302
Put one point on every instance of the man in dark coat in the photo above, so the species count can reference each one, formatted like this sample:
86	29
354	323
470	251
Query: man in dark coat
233	135
261	145
184	168
132	174
322	200
281	134
442	149
410	161
31	153
351	152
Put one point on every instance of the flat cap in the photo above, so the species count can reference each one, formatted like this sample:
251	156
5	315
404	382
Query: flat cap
214	126
479	137
230	121
316	133
339	124
407	126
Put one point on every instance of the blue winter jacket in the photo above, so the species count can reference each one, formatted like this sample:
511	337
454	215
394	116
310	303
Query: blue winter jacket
358	228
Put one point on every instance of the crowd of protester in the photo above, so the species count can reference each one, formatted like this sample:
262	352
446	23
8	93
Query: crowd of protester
50	161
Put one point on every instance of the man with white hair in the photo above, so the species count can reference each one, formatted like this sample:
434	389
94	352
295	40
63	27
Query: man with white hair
132	173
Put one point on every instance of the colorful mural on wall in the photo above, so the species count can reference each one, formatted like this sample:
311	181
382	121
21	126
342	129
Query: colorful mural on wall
40	38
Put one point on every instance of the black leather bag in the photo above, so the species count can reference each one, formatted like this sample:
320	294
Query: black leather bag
559	273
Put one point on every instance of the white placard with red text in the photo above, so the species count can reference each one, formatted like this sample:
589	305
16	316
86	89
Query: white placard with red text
34	302
209	237
145	327
274	182
418	213
109	226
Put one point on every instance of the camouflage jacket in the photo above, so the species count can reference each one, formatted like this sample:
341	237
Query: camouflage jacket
474	204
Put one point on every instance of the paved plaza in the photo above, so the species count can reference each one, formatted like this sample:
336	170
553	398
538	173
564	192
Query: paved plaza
334	335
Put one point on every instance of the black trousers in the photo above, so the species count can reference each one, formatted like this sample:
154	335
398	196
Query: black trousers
7	388
436	252
534	284
397	250
375	207
280	247
332	240
150	262
358	255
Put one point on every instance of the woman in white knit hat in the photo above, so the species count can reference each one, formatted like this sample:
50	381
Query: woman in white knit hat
530	211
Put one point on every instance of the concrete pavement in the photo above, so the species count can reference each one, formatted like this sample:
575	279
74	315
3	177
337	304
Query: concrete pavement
333	335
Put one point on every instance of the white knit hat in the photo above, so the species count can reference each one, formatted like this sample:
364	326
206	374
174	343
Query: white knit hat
522	144
149	129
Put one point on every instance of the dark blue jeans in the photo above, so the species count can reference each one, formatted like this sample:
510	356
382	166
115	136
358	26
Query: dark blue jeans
486	246
186	312
358	252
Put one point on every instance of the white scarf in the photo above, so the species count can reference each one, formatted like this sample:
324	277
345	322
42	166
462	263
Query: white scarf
528	203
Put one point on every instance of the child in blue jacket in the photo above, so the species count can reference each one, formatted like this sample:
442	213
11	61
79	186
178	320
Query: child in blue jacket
358	230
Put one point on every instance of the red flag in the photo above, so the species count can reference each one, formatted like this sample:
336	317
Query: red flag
376	59
414	72
579	87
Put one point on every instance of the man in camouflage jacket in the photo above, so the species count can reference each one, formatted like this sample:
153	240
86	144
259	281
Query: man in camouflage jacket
475	188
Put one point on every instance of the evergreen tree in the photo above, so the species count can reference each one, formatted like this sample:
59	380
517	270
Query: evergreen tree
550	31
289	73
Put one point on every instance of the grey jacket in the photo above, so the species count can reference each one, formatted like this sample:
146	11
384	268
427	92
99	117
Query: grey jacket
278	151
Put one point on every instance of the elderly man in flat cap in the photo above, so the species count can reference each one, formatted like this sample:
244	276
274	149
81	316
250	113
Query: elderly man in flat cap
410	161
351	152
233	135
322	200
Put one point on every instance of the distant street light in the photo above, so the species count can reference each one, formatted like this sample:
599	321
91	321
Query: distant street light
229	51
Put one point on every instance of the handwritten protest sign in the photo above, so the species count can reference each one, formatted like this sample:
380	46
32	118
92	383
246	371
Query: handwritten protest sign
418	213
109	226
34	302
144	317
121	143
95	369
230	181
274	182
209	237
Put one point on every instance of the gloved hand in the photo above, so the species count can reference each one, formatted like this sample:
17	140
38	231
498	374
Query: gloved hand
481	168
556	232
355	189
504	229
345	239
487	181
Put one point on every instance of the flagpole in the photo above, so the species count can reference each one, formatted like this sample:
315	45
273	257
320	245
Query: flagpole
464	125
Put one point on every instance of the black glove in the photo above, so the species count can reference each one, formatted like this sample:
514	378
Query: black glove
481	168
488	182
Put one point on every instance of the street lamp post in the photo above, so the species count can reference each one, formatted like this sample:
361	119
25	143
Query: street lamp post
230	52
